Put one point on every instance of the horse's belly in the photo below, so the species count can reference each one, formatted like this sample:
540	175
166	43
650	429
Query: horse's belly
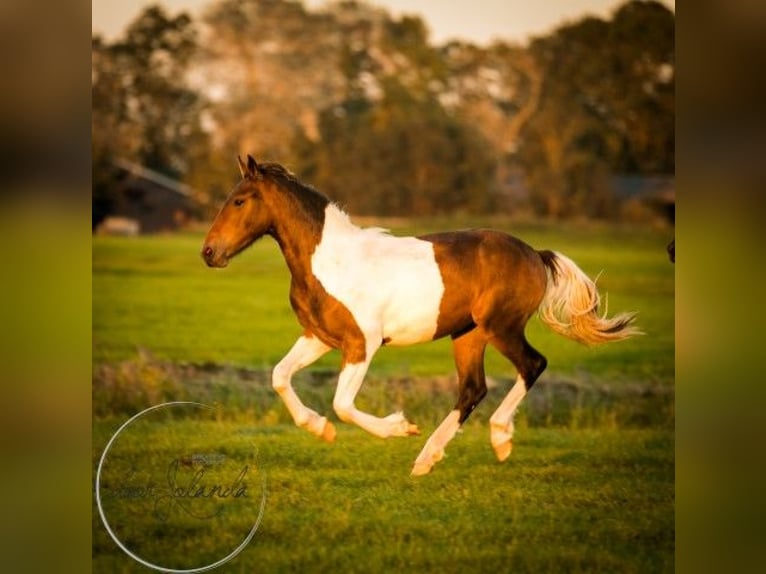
409	324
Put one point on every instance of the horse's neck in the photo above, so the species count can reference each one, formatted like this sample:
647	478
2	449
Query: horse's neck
298	238
298	229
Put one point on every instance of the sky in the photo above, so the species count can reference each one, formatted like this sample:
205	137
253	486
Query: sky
478	21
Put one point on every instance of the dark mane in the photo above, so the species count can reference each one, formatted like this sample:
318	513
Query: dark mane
307	196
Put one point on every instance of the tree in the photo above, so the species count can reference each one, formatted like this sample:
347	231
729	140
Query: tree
606	106
270	65
364	106
400	156
144	109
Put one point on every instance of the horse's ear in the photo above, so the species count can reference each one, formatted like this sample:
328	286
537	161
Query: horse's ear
247	169
242	167
252	167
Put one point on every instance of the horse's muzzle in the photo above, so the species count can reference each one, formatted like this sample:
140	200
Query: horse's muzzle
214	258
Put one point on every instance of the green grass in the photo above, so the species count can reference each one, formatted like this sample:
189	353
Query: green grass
583	501
589	486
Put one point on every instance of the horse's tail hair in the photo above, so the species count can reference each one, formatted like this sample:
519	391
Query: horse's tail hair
571	304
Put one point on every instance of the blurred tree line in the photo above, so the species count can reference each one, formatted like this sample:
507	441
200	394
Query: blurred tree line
365	107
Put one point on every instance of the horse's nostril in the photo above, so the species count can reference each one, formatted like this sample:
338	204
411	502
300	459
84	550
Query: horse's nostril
208	251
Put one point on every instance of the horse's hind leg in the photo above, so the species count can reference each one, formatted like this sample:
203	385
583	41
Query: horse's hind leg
469	358
529	364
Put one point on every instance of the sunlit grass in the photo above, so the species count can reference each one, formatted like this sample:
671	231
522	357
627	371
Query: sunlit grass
587	501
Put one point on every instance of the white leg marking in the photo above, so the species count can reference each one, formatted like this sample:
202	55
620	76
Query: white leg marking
501	422
433	451
305	351
349	383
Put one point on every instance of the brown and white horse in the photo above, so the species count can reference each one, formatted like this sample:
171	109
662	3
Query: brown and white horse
357	289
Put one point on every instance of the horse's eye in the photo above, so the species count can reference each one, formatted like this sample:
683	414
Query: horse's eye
238	202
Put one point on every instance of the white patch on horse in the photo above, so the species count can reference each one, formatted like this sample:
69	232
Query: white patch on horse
391	285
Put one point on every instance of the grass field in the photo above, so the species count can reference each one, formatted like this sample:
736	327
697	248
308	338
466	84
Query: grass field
588	488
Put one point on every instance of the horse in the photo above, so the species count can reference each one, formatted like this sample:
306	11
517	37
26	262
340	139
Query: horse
358	289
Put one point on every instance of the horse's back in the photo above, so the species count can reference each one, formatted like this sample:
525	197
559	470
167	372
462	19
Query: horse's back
486	254
488	276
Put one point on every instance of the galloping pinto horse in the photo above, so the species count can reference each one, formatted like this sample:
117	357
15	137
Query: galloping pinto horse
358	289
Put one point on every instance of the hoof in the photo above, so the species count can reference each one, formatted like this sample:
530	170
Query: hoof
412	429
328	433
400	426
503	451
420	469
426	461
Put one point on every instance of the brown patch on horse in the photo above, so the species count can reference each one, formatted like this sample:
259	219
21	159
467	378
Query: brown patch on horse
480	269
454	254
326	318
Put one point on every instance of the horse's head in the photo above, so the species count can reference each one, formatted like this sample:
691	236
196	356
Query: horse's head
243	218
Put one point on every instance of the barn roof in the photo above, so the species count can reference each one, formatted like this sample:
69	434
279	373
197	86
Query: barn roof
660	187
155	177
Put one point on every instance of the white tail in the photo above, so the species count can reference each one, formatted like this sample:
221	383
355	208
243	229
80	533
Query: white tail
571	305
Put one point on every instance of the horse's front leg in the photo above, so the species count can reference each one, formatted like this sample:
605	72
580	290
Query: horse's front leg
305	351
349	383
